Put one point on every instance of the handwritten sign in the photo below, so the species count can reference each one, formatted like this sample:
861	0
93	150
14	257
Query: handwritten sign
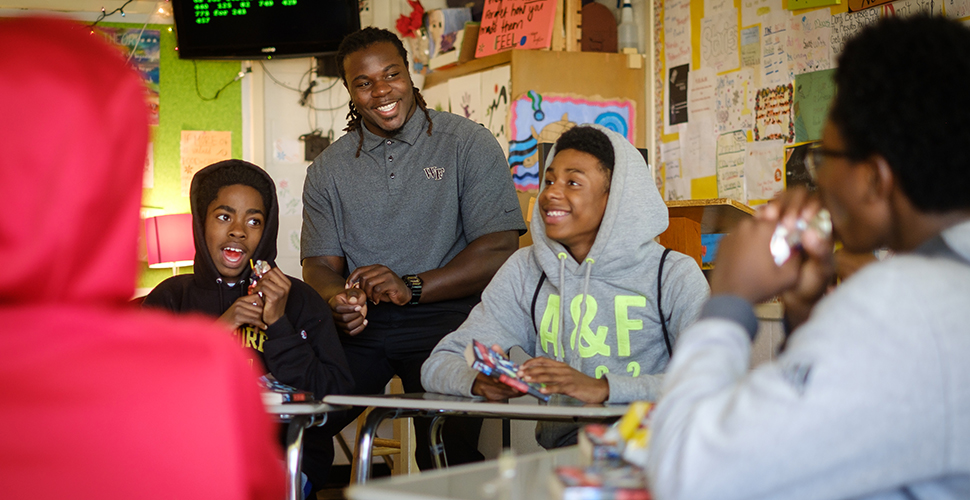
730	165
719	41
764	170
811	36
773	114
847	24
200	148
510	24
677	32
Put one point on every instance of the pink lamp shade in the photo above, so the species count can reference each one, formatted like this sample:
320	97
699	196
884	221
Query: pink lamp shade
169	240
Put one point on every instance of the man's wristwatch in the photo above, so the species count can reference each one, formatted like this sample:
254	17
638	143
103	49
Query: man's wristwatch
414	283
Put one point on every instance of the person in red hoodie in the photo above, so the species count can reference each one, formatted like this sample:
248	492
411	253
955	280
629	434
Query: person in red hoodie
101	399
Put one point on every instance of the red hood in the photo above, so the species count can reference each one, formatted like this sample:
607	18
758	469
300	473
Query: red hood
81	240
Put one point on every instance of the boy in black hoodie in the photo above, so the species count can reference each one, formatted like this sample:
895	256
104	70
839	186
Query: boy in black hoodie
281	321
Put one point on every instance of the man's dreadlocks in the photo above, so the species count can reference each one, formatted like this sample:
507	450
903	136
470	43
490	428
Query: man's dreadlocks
360	40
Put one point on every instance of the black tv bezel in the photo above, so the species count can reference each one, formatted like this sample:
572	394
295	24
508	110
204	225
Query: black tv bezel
254	51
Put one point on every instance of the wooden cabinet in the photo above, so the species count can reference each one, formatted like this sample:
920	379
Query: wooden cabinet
691	218
588	74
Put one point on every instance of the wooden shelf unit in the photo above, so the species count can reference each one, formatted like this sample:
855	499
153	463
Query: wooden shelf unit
689	219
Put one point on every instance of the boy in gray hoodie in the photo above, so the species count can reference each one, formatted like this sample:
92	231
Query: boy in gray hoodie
593	227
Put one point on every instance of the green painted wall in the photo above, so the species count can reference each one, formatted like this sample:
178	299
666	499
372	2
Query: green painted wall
181	108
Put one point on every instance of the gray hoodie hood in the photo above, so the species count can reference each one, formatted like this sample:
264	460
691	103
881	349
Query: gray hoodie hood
635	215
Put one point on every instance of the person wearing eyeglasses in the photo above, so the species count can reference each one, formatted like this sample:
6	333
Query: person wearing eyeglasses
869	399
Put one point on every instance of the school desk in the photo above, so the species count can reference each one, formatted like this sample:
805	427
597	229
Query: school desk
299	416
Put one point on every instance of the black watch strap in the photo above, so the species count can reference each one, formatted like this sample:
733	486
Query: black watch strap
415	284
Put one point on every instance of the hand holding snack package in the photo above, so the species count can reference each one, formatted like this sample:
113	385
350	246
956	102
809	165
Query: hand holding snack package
497	366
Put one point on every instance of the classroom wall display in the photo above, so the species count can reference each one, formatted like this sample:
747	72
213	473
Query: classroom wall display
761	70
536	118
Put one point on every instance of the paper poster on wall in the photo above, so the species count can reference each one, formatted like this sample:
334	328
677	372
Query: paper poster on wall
148	179
289	236
907	8
730	165
698	147
773	117
751	46
465	94
535	118
810	39
700	92
847	24
957	9
719	41
674	186
677	92
200	148
289	194
146	58
734	101
515	24
764	169
775	61
437	97
715	7
677	32
813	95
753	11
496	86
286	150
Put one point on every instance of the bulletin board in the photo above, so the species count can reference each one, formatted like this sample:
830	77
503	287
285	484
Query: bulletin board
744	83
181	108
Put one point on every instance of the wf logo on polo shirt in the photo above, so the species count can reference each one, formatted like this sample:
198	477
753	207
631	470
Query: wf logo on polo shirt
434	173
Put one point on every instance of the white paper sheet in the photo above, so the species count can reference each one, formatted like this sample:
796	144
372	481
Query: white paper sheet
698	147
730	165
734	101
700	92
775	62
764	169
677	32
715	7
810	41
496	87
465	93
957	9
719	41
847	24
753	11
437	97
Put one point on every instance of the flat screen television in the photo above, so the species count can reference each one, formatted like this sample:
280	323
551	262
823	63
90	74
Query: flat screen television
261	29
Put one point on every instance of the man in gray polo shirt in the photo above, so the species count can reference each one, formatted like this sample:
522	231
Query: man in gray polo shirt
406	219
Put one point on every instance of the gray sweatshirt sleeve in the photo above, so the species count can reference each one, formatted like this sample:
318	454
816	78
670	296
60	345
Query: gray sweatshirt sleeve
684	291
852	407
501	318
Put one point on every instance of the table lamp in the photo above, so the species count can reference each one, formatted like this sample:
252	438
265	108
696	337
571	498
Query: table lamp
170	242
